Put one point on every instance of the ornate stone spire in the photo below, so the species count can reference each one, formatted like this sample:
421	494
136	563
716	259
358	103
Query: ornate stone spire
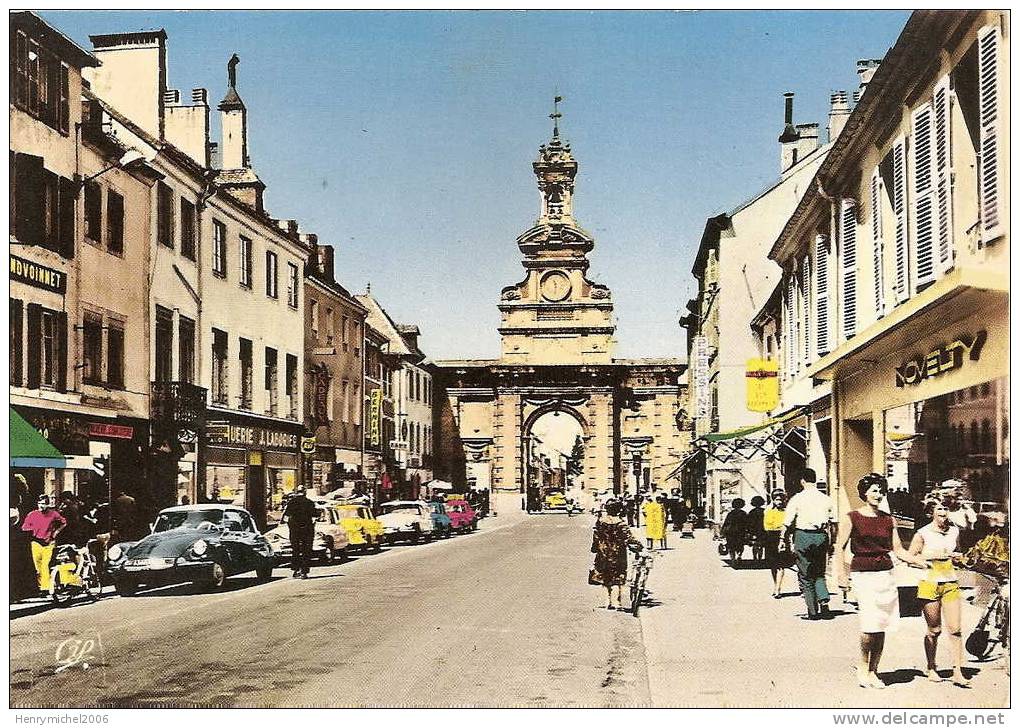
556	170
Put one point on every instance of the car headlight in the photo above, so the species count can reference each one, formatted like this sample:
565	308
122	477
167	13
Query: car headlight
114	553
199	547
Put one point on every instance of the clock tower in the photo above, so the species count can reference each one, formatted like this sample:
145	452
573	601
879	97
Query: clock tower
556	315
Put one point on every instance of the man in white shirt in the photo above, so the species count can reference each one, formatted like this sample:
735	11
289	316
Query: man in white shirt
810	516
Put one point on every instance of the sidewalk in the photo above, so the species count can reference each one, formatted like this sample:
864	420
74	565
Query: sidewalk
714	637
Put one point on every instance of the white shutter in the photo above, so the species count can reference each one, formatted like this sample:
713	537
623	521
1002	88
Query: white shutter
943	175
821	295
789	333
922	199
989	166
805	320
848	266
899	198
878	245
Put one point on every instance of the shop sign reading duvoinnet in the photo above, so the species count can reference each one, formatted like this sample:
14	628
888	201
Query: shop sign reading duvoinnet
225	433
941	359
25	271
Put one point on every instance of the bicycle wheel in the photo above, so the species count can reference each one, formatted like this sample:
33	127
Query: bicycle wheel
637	594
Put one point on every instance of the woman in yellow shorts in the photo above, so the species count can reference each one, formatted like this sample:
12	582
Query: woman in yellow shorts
938	544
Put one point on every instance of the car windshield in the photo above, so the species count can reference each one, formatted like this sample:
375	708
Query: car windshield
351	513
169	520
400	508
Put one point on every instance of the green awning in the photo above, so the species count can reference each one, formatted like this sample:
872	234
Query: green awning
29	449
744	431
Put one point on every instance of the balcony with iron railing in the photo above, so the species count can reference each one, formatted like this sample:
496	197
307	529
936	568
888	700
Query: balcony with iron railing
182	403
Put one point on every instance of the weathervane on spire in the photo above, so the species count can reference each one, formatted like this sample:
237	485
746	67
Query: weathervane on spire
556	116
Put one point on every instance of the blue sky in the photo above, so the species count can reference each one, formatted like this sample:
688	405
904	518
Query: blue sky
406	139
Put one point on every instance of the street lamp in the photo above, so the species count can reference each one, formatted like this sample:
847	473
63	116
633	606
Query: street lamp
130	158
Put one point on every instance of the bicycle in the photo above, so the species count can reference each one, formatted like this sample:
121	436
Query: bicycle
638	591
982	640
74	572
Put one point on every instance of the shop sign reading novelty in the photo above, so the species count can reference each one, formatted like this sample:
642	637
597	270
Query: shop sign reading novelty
941	360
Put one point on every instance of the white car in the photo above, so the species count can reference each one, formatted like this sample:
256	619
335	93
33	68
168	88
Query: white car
329	543
407	521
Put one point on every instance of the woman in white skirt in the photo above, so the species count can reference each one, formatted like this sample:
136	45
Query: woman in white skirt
872	536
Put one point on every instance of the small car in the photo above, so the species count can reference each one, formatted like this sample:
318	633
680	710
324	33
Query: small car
203	544
329	544
407	521
363	529
440	521
555	501
462	515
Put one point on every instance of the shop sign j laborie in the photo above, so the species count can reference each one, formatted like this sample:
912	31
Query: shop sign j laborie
941	359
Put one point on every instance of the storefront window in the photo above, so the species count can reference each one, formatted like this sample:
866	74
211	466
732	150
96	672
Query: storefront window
955	444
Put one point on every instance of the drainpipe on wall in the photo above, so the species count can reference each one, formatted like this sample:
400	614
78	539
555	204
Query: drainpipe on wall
208	190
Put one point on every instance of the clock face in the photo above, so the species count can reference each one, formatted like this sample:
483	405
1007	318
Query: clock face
555	286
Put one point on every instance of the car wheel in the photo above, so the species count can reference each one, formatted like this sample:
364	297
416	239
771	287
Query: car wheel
329	557
341	555
217	577
126	588
376	545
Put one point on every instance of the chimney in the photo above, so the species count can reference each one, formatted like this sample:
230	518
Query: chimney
866	68
187	125
132	76
789	138
325	256
234	122
839	112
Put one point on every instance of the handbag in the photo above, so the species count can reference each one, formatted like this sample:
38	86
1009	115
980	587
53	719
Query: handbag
594	578
722	548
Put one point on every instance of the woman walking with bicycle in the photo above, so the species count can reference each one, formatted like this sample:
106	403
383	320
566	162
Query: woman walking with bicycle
938	544
610	541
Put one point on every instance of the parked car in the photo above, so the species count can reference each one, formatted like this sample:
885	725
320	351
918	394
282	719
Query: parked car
203	544
462	515
407	521
554	501
363	529
440	520
329	543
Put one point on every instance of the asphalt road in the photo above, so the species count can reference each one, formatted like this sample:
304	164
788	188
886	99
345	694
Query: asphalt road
500	617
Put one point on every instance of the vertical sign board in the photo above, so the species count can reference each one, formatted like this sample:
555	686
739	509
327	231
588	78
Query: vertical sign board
702	395
375	417
762	377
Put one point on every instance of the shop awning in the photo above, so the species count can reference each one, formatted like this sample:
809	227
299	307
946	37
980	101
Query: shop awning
29	449
745	431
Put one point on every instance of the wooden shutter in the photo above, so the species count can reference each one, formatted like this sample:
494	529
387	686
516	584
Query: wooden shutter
805	319
877	244
989	163
34	346
848	265
822	295
943	176
922	198
17	342
67	198
788	327
31	200
61	346
899	197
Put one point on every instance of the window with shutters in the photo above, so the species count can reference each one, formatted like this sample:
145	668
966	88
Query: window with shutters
187	228
49	364
989	159
848	266
272	274
805	288
943	165
219	249
293	281
186	349
92	348
922	199
114	222
789	328
165	215
272	374
163	344
94	212
220	388
44	206
291	385
246	261
17	346
244	354
822	295
877	243
115	354
40	83
901	273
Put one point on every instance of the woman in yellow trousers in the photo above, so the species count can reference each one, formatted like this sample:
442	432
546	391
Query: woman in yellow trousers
655	521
